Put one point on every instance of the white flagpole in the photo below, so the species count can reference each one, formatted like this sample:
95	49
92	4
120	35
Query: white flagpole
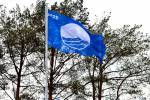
46	52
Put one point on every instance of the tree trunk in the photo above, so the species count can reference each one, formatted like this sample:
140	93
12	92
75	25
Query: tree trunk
94	89
18	87
50	88
93	84
100	84
19	72
50	84
100	91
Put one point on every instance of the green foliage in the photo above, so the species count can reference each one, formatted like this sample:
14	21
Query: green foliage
2	69
27	96
76	87
1	53
124	68
134	91
73	9
22	42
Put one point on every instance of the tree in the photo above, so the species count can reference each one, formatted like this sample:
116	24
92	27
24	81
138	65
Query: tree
119	51
58	60
125	66
71	76
20	42
23	38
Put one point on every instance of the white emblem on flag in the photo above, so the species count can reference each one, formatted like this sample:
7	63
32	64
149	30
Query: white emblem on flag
74	36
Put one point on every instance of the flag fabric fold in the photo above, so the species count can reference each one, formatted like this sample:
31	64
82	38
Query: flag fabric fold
70	36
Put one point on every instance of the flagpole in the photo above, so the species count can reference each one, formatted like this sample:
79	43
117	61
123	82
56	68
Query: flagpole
46	52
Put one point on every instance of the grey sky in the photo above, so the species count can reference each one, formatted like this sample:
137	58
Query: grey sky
123	11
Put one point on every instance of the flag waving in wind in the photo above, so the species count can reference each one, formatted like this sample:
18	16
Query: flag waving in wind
70	36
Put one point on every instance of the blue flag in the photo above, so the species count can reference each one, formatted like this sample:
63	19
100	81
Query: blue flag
70	36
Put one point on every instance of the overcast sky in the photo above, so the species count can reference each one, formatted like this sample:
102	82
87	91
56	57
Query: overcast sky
122	11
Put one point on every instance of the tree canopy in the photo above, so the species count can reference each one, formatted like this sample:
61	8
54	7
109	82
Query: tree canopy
124	70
